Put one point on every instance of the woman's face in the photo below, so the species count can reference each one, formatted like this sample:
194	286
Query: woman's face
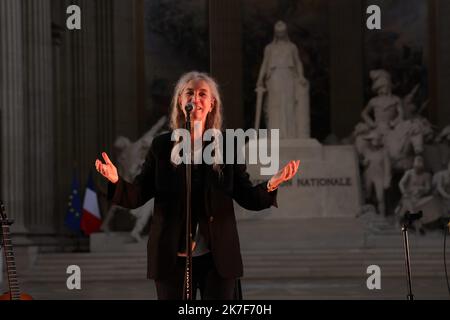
198	92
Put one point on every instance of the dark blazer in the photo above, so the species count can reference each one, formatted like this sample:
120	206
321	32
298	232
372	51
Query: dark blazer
159	178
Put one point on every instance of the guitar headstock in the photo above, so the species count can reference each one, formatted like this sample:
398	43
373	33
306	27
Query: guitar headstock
2	212
3	218
13	283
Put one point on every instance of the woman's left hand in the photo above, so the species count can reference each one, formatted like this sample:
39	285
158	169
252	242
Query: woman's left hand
284	174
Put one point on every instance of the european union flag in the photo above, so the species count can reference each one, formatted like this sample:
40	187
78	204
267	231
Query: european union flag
73	216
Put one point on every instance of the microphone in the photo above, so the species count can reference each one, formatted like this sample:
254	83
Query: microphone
189	107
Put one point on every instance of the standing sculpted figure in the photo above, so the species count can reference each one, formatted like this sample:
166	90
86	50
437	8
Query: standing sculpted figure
287	91
415	187
386	107
377	170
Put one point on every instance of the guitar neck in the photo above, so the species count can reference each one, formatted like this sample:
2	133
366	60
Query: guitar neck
13	281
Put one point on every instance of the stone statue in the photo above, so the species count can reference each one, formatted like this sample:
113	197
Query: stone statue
415	187
444	136
412	149
377	169
441	184
443	140
287	91
131	157
403	143
414	114
359	139
403	129
409	107
386	107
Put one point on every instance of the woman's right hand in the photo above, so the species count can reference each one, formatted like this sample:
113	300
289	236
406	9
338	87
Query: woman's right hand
107	169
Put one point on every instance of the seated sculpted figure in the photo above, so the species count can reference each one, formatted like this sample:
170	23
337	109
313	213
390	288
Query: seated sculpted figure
441	183
415	187
444	140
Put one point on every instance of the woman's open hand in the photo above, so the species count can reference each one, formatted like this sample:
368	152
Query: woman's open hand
107	169
284	174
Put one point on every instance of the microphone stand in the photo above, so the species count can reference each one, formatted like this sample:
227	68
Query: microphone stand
187	287
408	220
409	296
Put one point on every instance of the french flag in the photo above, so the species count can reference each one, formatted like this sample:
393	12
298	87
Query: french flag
91	219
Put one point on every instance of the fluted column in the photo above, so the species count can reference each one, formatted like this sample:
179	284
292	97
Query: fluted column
440	60
346	65
105	55
88	85
105	96
62	162
12	153
225	34
39	143
128	67
78	146
75	99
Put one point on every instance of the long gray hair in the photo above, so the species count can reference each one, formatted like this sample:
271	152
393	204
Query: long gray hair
213	119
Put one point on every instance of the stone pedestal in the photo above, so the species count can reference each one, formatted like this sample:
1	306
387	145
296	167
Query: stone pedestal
326	185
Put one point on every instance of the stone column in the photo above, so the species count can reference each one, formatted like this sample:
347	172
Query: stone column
87	75
128	110
12	152
84	81
225	36
346	65
105	71
105	96
440	62
62	160
78	97
38	101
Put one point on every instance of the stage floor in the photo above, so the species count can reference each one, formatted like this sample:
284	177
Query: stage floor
283	260
307	289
